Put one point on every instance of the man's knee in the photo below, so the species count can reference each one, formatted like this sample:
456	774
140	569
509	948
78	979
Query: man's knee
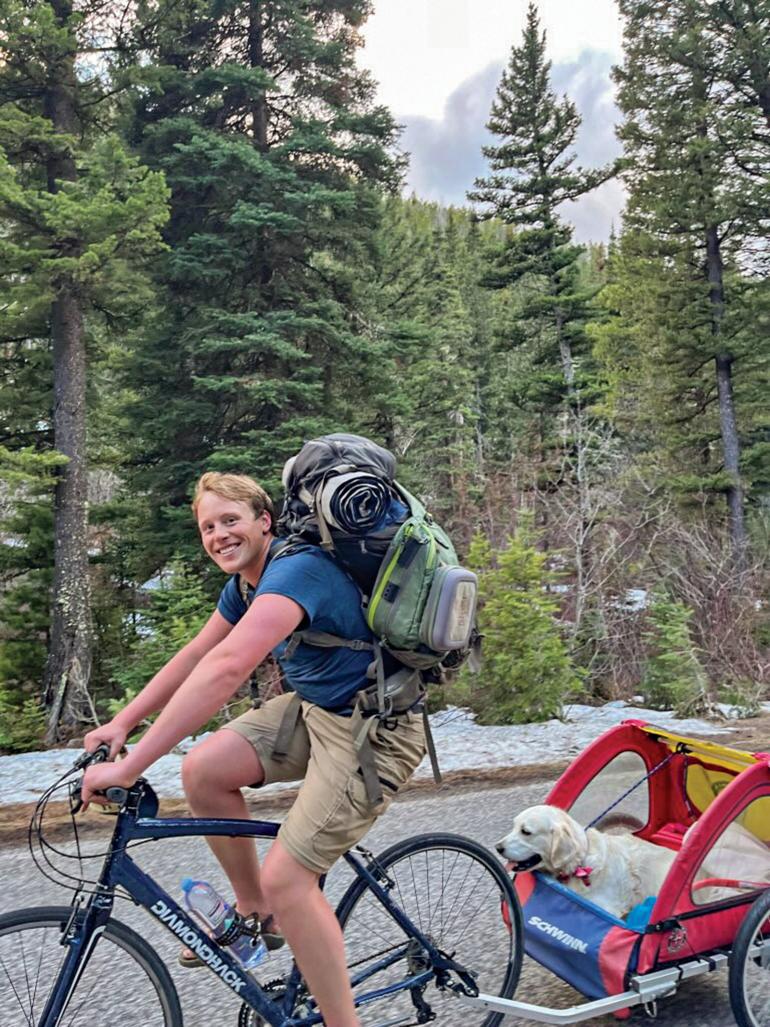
194	770
225	761
285	882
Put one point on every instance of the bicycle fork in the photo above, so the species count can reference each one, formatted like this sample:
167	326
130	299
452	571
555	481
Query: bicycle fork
79	936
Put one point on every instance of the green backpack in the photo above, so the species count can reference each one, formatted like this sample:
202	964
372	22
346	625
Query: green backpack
341	494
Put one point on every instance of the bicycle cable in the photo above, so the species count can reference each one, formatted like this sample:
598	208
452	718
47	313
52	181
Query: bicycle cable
40	848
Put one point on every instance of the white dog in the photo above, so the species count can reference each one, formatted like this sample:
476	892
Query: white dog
614	871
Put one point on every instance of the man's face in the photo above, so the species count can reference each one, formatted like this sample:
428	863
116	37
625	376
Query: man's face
234	538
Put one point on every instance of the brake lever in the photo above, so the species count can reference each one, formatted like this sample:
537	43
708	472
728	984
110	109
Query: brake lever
99	755
76	800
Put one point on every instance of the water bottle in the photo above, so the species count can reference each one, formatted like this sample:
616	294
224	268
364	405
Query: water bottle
208	906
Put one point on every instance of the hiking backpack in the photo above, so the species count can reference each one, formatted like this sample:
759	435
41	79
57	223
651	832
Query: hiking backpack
341	493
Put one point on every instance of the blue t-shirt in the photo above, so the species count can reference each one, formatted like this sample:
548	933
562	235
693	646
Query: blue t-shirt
332	603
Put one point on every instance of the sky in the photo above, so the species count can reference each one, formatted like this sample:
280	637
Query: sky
438	63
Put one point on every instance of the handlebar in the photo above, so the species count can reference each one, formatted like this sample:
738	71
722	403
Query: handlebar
99	755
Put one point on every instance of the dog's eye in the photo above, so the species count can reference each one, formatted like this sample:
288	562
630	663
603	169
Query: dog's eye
525	830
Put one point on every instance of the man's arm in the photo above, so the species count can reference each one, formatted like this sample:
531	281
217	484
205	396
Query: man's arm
269	620
157	692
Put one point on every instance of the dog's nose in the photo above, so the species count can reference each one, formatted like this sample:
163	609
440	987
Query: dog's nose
499	847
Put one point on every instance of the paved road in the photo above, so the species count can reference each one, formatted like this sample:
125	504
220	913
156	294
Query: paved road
482	814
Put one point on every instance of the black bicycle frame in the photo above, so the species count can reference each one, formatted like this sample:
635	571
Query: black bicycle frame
88	922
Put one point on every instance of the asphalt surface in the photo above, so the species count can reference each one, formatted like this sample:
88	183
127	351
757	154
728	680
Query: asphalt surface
482	814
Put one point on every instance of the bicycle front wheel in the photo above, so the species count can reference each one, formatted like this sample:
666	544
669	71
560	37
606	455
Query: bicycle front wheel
458	895
123	983
750	967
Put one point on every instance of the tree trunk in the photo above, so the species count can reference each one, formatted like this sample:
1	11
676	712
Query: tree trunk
256	44
731	448
257	60
565	354
68	668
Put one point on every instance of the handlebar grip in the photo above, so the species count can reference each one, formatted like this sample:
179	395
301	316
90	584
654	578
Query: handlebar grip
117	795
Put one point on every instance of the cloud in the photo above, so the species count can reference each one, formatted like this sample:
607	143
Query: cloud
446	158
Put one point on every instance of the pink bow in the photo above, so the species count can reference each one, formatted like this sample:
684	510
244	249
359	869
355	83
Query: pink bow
585	874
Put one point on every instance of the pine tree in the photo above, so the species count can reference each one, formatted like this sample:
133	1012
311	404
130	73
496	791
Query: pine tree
77	212
28	479
526	672
533	173
695	214
674	677
440	418
273	147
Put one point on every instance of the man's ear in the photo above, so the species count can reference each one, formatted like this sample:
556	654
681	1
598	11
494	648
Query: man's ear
568	846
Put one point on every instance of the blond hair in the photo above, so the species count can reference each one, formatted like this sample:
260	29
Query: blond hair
238	487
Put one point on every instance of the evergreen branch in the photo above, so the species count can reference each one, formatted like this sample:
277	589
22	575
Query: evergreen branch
85	104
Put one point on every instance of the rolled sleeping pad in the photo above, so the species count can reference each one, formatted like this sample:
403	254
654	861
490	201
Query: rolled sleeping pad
355	502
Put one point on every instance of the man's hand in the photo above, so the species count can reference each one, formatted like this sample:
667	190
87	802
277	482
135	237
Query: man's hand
100	777
111	734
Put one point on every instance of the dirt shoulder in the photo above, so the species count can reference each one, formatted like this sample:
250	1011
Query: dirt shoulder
751	735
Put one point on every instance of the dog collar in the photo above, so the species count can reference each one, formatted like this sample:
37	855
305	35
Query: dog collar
583	873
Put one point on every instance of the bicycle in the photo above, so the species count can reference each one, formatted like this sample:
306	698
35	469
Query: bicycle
434	916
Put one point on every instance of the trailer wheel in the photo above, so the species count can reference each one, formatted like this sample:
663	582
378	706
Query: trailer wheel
750	967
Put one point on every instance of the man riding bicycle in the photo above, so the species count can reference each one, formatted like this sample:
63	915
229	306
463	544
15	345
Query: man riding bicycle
303	589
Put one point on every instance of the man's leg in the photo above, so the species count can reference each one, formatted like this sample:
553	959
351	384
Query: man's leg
313	932
213	774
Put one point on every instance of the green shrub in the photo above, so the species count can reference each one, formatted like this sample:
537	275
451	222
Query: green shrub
22	723
673	675
526	672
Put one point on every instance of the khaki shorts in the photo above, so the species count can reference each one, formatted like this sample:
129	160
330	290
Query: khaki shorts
331	813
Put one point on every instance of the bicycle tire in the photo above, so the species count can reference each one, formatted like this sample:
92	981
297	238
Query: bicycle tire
464	901
749	982
29	945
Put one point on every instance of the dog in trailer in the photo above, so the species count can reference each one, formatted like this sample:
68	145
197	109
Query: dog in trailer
614	871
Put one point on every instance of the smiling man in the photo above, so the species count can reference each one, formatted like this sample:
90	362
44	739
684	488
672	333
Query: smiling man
262	604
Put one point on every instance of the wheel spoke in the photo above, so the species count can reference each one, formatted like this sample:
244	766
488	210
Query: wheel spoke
15	992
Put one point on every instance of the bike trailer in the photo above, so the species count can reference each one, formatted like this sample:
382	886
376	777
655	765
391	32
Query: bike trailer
707	802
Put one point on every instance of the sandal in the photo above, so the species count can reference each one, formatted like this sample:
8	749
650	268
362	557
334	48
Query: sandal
273	940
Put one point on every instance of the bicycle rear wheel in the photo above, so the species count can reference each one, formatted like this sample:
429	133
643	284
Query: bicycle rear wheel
124	981
750	967
455	892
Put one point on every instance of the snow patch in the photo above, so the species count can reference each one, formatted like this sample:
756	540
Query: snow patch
462	744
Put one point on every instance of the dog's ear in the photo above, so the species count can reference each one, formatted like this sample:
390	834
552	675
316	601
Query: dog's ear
568	845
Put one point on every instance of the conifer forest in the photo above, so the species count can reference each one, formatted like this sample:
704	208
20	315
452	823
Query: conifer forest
207	258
